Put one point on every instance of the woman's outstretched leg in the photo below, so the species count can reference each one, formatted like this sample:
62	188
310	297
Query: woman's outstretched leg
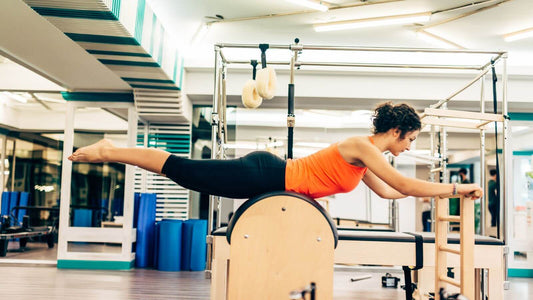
104	151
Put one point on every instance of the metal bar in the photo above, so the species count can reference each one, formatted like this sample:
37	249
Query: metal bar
495	60
3	166
245	62
507	164
483	167
441	102
14	165
213	138
377	65
433	149
364	65
369	49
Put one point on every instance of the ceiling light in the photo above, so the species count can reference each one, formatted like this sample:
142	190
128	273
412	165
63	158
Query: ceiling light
20	97
437	40
518	35
310	4
371	22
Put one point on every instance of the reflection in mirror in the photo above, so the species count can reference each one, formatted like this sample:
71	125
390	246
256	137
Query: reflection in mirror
97	189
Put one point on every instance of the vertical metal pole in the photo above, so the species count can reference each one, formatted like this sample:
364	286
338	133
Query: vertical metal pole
13	165
214	130
395	215
432	175
291	119
506	184
219	135
482	167
214	151
483	172
444	150
3	165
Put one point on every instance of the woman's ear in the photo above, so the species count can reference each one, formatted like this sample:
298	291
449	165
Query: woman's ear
396	132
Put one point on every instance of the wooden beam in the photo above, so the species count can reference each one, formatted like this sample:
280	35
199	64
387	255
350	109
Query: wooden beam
449	123
462	115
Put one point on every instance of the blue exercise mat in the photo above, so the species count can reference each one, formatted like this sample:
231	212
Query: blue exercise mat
169	256
144	249
194	248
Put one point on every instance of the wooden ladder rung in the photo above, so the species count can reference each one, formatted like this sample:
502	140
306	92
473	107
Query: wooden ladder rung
447	249
450	218
450	281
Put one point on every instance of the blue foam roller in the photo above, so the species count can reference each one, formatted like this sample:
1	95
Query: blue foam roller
23	201
144	249
82	217
169	256
194	245
5	203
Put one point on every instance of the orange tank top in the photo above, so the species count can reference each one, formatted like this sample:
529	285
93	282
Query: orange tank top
322	174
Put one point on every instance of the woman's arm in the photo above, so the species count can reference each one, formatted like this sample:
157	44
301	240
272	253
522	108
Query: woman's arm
359	149
381	188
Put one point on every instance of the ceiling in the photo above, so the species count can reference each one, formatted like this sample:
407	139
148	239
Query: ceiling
472	24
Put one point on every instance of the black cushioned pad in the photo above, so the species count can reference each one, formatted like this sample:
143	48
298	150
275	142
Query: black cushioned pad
453	238
381	236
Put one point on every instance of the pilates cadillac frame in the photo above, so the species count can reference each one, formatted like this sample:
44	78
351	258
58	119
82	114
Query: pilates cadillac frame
437	116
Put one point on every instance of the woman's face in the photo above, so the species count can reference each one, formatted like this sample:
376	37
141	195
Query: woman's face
403	144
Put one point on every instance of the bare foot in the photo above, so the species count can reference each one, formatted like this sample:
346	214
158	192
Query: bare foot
92	153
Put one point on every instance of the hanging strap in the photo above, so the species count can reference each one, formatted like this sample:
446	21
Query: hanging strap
495	107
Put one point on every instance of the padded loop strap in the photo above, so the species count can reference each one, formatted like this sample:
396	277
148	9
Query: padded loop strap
419	250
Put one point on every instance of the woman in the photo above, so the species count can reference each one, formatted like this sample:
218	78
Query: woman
338	168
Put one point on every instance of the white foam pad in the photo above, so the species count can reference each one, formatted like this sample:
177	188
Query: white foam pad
266	82
250	97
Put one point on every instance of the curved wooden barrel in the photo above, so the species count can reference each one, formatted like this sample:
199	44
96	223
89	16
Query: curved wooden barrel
280	242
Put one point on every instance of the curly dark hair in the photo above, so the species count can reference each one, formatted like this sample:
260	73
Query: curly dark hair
389	116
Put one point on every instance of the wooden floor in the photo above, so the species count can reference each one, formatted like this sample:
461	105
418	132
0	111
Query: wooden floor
23	281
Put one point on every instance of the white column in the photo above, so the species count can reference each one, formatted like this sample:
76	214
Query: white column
66	174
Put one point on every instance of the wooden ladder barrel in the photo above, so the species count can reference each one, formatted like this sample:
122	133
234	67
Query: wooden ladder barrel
466	248
280	243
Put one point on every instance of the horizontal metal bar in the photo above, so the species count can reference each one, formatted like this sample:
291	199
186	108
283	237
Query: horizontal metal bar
450	281
247	62
361	65
446	249
252	46
374	65
450	218
359	48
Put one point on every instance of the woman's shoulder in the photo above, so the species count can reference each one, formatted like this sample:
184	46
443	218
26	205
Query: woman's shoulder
354	147
355	141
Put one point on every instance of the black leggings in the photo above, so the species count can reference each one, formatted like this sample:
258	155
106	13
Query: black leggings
256	173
